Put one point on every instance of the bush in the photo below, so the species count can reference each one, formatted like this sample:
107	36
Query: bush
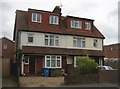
86	65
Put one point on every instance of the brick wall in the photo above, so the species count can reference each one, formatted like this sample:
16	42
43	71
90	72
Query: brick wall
110	76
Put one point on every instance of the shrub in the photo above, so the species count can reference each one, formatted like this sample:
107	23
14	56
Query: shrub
86	65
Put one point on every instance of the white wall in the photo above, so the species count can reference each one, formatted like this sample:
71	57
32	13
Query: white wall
66	41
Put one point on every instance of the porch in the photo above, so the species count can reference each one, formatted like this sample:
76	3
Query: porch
56	65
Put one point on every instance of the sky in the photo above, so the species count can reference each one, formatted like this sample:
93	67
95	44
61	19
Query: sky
104	12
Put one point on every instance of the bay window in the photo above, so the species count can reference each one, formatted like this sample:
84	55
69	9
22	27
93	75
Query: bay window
52	61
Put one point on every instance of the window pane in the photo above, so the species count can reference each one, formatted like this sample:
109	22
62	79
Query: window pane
56	42
26	59
55	19
46	41
80	24
58	57
87	25
95	43
48	63
51	40
5	46
53	61
74	43
51	19
30	39
58	63
38	18
33	17
83	43
78	42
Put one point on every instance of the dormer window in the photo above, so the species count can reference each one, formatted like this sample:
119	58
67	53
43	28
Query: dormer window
76	24
54	20
36	18
87	26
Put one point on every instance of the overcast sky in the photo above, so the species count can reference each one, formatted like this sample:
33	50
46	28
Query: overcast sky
104	12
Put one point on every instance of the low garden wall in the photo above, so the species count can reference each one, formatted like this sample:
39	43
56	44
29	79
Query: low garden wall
110	76
104	76
81	79
41	81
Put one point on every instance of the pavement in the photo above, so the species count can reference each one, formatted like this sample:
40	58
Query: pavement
94	85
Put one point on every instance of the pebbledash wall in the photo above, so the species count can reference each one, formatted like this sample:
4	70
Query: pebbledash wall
65	41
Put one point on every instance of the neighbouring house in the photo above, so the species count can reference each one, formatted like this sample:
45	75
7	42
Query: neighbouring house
46	39
7	55
112	52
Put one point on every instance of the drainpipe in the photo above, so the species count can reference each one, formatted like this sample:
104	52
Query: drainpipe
22	65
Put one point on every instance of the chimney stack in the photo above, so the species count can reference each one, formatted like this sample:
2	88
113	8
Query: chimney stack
57	10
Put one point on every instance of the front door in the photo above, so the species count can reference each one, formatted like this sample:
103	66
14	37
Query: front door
31	65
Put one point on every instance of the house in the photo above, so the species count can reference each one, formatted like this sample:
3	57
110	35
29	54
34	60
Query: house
111	52
46	39
7	55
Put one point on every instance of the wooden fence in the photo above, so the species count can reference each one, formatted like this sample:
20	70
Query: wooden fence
5	67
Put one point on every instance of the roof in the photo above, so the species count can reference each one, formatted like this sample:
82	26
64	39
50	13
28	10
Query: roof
60	51
115	44
79	18
6	39
21	24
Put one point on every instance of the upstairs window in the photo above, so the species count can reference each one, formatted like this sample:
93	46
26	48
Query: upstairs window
87	26
54	20
36	18
51	40
76	24
30	38
78	42
95	43
5	46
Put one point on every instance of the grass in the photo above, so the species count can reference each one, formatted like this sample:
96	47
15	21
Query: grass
9	82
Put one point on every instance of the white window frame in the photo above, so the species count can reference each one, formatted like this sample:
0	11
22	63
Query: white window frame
50	56
5	46
53	20
76	42
27	60
48	38
74	22
95	41
87	25
30	35
36	17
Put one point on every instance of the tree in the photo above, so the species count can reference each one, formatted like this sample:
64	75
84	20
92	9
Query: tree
86	65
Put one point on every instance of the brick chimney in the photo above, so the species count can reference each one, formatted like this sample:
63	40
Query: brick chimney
57	10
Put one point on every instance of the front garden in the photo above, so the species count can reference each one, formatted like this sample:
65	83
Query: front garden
85	72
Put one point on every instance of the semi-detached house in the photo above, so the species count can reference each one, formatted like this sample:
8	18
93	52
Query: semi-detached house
47	39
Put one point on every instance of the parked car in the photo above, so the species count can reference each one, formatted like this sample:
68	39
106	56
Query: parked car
105	68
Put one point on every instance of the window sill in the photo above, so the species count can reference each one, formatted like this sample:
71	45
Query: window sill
76	27
36	22
54	24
